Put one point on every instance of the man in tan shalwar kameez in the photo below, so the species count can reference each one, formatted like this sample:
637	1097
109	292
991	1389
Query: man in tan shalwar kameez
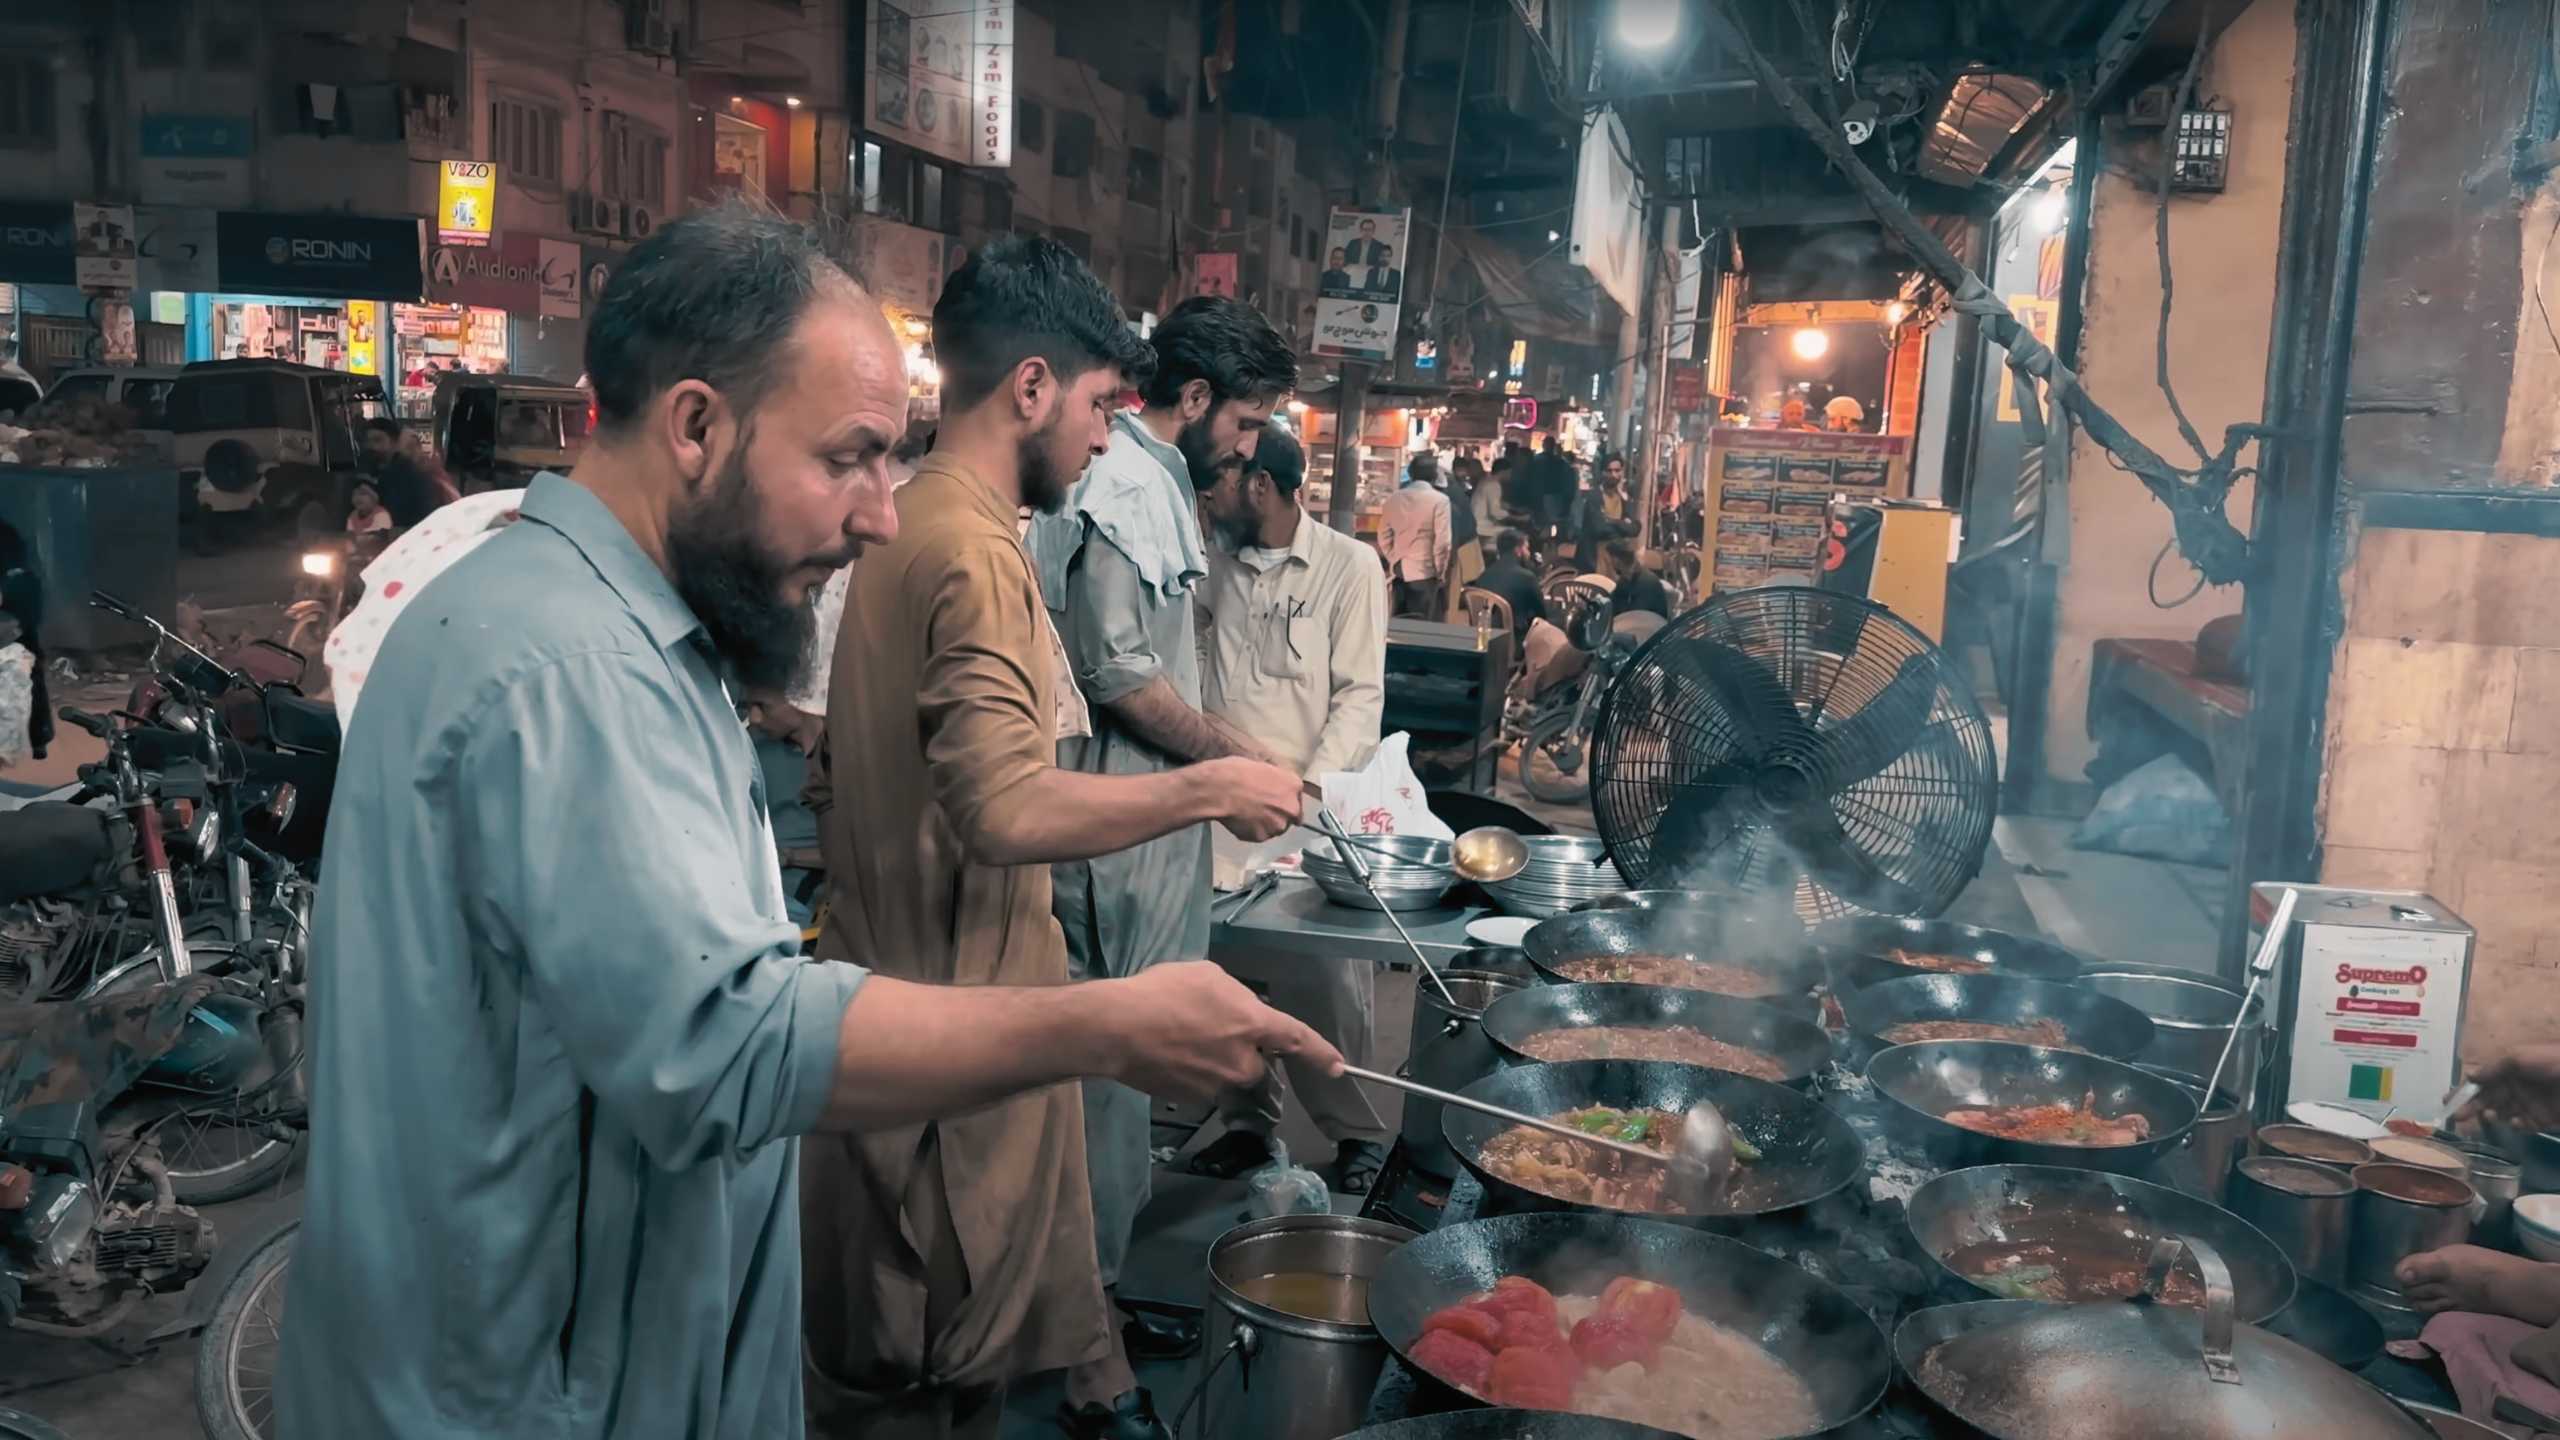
943	1261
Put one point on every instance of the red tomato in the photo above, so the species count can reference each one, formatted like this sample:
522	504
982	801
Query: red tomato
1651	1310
1482	1326
1532	1378
1519	1293
1530	1329
1607	1341
1455	1359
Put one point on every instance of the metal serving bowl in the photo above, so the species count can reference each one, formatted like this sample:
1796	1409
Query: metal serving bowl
1409	872
1563	871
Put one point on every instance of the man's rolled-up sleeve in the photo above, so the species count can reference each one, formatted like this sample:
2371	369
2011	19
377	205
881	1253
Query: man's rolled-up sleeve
602	860
978	699
1106	623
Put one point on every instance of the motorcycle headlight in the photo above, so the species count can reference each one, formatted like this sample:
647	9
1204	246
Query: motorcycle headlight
319	563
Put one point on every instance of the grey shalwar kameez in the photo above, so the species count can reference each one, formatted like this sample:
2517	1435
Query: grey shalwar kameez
561	1033
1118	570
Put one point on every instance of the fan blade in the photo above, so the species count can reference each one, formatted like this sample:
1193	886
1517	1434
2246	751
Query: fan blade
1762	710
1688	827
1877	733
1839	864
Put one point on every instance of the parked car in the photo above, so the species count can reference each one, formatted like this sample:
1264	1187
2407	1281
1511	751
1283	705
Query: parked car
140	389
268	438
495	431
19	391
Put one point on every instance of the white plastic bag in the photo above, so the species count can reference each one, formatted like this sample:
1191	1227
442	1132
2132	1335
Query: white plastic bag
1384	797
17	700
1281	1188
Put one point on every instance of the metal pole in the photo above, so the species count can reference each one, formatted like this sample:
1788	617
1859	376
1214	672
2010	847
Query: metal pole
1449	168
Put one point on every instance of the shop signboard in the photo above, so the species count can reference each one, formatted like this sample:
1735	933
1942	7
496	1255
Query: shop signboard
902	263
346	257
196	159
35	244
596	263
1360	292
938	72
102	247
506	275
175	248
364	336
560	277
1688	387
466	202
1769	492
1214	273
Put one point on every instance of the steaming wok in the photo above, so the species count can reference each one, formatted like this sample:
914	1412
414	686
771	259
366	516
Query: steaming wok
1798	1045
1927	1080
1810	1327
1806	1151
2024	1370
2096	1023
2093	1224
1858	948
1719	935
1509	1425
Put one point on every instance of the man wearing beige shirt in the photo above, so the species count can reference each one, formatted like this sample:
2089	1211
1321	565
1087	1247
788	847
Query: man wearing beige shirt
1293	622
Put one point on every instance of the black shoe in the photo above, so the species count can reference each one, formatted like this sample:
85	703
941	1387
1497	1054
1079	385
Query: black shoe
1131	1417
1231	1155
1149	1336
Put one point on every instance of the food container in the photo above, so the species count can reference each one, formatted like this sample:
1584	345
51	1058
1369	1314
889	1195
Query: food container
2537	1225
2499	1181
1271	1372
1408	872
1448	1051
2305	1208
2400	1211
2306	1142
2192	1017
2220	1137
2425	1154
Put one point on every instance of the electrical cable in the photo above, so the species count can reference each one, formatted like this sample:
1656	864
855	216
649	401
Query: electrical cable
2152	583
2160	238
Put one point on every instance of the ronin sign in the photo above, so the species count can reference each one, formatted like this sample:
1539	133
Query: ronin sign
466	202
991	87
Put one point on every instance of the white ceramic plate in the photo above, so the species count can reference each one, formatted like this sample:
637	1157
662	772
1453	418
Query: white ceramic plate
1498	929
2336	1119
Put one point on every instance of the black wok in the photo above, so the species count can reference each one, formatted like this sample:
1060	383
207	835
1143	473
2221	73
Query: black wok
1720	935
2096	1023
1927	1080
1800	1047
1809	1326
1508	1425
1858	948
2328	1324
2093	1223
1806	1151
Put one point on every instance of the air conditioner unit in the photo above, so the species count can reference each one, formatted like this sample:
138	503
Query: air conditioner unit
637	223
592	214
646	28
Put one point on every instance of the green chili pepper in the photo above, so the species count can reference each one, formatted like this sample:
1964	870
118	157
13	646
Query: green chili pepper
1745	1151
1634	1130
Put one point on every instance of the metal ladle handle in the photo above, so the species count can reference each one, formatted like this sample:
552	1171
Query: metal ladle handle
1350	853
1534	1122
2261	966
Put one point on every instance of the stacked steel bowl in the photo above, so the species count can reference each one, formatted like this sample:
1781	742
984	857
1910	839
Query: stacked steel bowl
1409	872
1563	871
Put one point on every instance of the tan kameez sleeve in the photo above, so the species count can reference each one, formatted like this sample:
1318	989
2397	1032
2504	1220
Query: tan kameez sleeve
985	696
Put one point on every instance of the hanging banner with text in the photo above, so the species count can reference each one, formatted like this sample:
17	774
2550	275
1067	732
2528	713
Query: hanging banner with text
941	77
466	202
1360	291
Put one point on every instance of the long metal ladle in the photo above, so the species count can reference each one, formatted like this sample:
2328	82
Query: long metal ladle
1350	853
1700	1160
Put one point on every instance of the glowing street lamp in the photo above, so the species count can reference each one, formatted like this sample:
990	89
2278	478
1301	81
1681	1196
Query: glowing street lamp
1810	343
1648	24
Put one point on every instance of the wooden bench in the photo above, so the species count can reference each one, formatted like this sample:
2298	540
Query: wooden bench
2159	676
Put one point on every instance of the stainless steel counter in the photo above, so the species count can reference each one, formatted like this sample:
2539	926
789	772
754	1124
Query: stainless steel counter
1294	917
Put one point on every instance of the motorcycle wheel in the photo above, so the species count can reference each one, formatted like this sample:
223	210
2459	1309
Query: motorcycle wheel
218	1152
1542	775
19	1425
236	1356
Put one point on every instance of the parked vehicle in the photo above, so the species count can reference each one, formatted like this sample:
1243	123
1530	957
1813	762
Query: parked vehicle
1555	758
265	438
235	1356
142	390
20	392
496	431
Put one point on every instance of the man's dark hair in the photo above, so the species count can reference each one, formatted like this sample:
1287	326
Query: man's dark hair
384	424
712	296
1624	553
1026	295
1225	342
1425	465
1277	455
1510	542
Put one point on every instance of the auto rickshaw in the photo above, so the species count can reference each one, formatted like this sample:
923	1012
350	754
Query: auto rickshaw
495	431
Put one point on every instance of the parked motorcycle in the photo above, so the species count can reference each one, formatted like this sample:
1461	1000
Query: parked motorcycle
1555	758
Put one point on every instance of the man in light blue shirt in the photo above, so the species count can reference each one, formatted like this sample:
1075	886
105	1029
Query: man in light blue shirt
562	1036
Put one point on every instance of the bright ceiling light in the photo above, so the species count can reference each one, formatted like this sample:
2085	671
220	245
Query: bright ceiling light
1895	313
1810	344
2045	212
1648	24
791	100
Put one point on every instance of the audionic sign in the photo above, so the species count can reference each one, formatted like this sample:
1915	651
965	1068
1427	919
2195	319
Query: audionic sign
353	257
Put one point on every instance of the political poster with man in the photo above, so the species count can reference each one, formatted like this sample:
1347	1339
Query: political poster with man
1360	291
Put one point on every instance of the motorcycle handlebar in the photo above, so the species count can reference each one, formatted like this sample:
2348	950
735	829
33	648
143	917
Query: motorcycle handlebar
98	725
114	606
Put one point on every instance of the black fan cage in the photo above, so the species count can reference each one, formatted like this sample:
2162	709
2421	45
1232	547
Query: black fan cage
1797	740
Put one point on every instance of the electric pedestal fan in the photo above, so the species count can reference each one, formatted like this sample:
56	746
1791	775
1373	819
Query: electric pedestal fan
1797	741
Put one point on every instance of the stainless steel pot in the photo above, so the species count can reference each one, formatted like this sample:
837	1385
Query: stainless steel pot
2220	1137
2400	1211
1269	1374
2305	1208
2308	1142
1448	1051
2499	1181
2191	1017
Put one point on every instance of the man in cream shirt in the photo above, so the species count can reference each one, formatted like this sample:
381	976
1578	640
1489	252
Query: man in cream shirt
1293	623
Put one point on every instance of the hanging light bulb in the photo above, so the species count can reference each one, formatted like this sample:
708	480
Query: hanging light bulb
1810	343
2045	212
1648	24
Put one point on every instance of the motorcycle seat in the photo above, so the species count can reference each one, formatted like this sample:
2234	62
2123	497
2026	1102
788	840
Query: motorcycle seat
50	848
91	1049
299	722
